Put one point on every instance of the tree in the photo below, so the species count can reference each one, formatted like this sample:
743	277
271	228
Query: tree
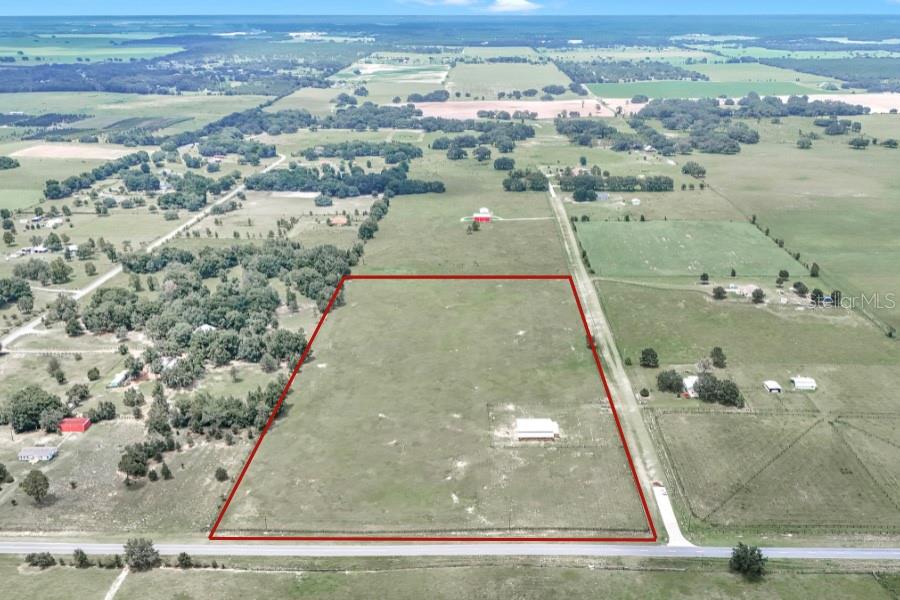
36	485
221	474
748	561
804	143
185	561
41	560
800	288
649	358
718	357
482	153
859	143
694	169
50	419
8	238
60	271
584	194
504	163
89	269
704	278
758	296
457	153
166	472
24	407
25	304
93	374
140	555
814	270
133	463
80	559
719	293
5	477
670	381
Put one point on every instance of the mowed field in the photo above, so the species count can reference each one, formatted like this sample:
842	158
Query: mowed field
697	89
681	249
427	378
490	78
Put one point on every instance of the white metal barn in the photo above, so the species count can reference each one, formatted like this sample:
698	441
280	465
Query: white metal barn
536	429
803	383
773	387
37	453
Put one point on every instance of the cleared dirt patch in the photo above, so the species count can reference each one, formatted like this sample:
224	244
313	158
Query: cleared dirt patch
85	151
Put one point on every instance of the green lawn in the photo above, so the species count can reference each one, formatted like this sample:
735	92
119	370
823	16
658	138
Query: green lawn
681	249
427	379
55	583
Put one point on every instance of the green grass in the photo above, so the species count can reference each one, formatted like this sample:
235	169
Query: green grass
681	249
55	583
427	379
100	502
697	89
490	78
435	578
68	49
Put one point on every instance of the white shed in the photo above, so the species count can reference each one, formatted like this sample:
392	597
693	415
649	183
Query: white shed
38	453
537	429
119	380
773	387
803	383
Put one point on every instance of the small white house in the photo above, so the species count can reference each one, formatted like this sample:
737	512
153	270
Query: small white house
771	386
803	383
536	429
690	383
38	453
635	201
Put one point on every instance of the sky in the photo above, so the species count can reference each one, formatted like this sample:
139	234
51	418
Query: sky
445	7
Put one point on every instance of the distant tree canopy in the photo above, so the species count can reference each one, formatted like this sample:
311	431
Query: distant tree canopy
356	183
392	152
435	96
24	408
8	163
54	190
615	71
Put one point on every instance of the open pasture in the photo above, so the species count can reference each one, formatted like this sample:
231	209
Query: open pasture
681	249
490	78
696	89
427	378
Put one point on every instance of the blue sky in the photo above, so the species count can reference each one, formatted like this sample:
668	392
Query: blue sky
446	7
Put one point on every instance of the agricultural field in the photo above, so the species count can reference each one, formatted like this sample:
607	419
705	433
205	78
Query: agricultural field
696	89
673	54
486	80
61	48
449	465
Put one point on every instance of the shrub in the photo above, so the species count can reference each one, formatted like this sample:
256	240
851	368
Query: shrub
649	358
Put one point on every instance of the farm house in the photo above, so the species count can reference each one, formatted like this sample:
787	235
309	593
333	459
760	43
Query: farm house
803	383
38	453
74	425
536	429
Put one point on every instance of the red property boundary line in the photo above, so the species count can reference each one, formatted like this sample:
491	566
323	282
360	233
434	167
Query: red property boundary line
361	538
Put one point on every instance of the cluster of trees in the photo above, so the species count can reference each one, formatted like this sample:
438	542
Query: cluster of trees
435	96
31	408
585	185
868	73
710	127
43	120
13	289
584	131
8	163
753	106
517	94
231	141
54	190
342	184
520	181
614	71
392	152
34	269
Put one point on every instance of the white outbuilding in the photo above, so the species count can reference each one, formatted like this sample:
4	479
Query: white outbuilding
690	385
773	387
537	429
802	383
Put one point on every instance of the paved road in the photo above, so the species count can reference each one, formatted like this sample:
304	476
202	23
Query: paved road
646	461
30	328
450	549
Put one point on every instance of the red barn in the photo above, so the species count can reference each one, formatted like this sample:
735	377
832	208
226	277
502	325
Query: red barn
74	425
483	216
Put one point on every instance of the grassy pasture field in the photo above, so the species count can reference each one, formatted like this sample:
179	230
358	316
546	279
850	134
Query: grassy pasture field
818	464
737	51
490	78
68	49
108	108
100	502
760	73
427	378
531	580
681	249
665	54
56	583
832	204
315	100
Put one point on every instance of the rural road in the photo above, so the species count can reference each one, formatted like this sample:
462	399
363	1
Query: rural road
647	462
451	549
31	327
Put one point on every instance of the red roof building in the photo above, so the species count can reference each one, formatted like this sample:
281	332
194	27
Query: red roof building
74	425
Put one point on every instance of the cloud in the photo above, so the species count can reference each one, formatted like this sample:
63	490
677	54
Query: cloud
514	6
